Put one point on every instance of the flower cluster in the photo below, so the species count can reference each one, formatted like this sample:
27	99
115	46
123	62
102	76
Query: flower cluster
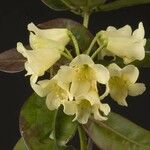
75	86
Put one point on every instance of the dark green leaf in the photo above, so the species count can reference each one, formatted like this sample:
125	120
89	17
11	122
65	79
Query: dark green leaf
118	133
121	4
84	4
64	128
55	4
37	123
81	6
20	145
11	61
77	6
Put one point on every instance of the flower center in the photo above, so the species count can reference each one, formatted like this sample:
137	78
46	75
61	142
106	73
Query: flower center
117	82
84	72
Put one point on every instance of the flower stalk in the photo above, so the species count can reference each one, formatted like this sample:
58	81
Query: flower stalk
67	56
98	51
92	43
68	53
83	138
86	17
75	42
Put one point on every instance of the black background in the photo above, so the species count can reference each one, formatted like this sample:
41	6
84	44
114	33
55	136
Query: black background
15	88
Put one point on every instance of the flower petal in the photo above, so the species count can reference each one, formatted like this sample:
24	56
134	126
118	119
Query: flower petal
52	101
114	70
41	88
111	28
82	60
125	31
140	32
79	88
136	89
92	96
102	73
118	91
83	112
105	108
98	108
70	107
130	74
65	74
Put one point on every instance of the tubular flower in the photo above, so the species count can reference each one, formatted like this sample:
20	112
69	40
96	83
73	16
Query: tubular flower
82	109
59	35
122	83
86	74
46	45
56	92
123	43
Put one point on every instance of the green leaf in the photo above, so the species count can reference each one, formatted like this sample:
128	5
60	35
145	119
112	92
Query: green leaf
55	5
38	124
121	4
64	128
84	4
118	133
76	6
20	145
81	6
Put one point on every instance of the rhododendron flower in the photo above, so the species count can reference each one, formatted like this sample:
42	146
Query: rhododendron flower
123	83
82	109
59	35
85	74
46	45
56	92
123	43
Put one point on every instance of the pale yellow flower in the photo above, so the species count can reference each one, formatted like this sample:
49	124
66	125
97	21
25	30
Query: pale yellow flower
83	109
59	35
123	43
84	75
55	91
46	46
38	61
123	83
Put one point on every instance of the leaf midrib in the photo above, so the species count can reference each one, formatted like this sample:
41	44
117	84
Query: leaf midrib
121	135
